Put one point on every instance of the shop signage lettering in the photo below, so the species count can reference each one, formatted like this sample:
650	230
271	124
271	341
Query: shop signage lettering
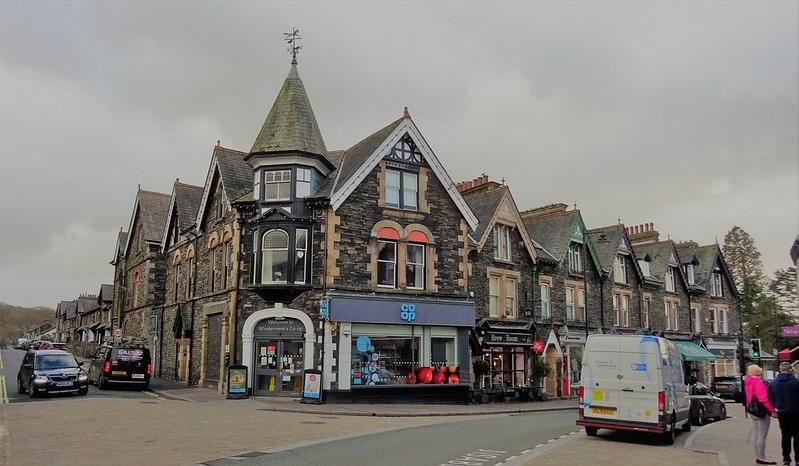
276	326
509	339
408	312
324	312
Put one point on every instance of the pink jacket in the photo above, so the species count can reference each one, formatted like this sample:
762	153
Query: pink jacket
755	386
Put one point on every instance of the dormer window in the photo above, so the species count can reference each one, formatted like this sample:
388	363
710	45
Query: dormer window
716	290
277	185
671	282
575	259
644	267
689	273
402	188
502	242
274	257
620	269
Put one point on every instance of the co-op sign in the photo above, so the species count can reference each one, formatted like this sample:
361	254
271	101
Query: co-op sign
791	331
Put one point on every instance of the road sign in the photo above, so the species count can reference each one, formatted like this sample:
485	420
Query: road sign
117	332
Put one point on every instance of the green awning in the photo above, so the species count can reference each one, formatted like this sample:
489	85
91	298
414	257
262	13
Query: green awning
693	352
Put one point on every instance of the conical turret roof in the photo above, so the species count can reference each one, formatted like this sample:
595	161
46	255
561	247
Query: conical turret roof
291	123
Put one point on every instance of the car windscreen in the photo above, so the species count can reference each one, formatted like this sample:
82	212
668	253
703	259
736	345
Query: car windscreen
127	354
46	362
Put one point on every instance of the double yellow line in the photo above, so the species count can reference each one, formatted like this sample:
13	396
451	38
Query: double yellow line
3	388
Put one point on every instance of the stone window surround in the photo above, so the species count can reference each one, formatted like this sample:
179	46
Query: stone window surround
502	227
646	309
257	254
696	317
576	286
620	265
503	275
617	311
430	257
422	207
717	310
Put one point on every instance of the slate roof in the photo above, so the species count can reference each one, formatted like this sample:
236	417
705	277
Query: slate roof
106	293
659	253
122	239
483	205
69	308
551	231
606	242
291	124
237	175
357	155
187	201
153	211
705	257
86	304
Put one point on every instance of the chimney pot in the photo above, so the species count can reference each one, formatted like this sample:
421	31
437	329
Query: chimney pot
651	226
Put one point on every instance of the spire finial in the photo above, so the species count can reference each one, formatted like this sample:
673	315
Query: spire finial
218	142
406	113
292	38
618	220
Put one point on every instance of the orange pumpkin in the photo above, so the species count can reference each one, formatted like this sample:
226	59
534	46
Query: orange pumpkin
439	377
454	378
410	378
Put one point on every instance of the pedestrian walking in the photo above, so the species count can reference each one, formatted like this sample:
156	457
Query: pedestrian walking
784	392
759	409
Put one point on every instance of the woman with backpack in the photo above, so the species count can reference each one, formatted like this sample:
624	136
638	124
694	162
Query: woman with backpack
759	408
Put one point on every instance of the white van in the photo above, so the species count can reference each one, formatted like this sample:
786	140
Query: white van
633	382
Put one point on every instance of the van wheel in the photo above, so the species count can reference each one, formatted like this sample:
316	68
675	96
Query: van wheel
591	431
668	436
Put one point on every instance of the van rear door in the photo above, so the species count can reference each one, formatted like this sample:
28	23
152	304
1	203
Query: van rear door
600	377
640	379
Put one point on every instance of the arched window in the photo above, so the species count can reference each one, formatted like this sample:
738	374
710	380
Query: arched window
135	288
274	257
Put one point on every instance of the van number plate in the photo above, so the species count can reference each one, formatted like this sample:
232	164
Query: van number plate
604	411
119	373
138	376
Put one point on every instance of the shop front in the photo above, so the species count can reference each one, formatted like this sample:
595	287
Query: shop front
573	344
726	352
507	346
392	349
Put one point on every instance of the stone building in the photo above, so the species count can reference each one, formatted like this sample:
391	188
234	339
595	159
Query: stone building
502	260
570	305
715	307
139	275
66	316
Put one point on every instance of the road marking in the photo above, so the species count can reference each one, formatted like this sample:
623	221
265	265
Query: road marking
510	457
563	436
154	395
539	445
550	440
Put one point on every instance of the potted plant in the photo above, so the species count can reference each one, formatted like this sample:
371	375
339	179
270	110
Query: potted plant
481	367
541	370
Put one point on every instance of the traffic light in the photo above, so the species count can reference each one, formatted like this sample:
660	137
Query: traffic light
755	348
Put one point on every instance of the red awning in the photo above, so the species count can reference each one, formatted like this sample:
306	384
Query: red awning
788	354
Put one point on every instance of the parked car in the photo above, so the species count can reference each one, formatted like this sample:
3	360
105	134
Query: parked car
51	371
50	345
123	364
728	387
705	405
634	383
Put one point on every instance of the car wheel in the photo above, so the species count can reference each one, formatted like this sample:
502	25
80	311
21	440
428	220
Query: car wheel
84	391
668	436
591	431
700	416
31	390
723	413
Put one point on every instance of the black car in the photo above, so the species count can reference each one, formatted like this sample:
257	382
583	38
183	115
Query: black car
728	387
123	364
51	371
705	405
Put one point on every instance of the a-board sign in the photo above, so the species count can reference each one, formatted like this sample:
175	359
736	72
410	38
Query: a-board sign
312	386
237	382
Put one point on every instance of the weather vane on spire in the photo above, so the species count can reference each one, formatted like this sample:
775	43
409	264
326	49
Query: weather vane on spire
292	38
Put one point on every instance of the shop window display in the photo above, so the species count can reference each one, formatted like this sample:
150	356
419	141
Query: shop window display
383	360
508	367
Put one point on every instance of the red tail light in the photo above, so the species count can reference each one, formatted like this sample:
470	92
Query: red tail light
149	369
581	395
661	401
107	367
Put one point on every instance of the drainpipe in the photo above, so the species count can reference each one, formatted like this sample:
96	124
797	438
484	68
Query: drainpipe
602	278
585	281
234	298
690	314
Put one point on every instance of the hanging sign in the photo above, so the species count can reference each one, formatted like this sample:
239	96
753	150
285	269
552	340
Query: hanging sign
538	346
237	382
312	386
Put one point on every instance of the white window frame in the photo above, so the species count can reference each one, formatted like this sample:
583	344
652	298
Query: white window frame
177	279
394	278
407	190
545	291
502	247
689	274
214	265
617	308
494	294
575	260
303	182
264	249
722	322
416	265
646	304
581	305
226	265
300	250
644	265
716	290
671	282
510	300
190	279
696	315
625	310
672	319
284	177
620	269
571	294
714	320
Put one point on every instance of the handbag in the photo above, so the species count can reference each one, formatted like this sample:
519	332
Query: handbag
756	408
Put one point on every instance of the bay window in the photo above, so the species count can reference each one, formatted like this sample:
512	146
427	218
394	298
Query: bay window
277	185
300	254
274	257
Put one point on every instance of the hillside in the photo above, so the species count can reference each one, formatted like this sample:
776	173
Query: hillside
15	319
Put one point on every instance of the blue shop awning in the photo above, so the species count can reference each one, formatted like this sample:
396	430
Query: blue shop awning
693	352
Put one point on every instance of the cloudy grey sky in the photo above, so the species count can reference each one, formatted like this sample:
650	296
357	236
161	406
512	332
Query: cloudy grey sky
680	113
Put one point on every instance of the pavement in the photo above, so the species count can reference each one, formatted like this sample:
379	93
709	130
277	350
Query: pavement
176	391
